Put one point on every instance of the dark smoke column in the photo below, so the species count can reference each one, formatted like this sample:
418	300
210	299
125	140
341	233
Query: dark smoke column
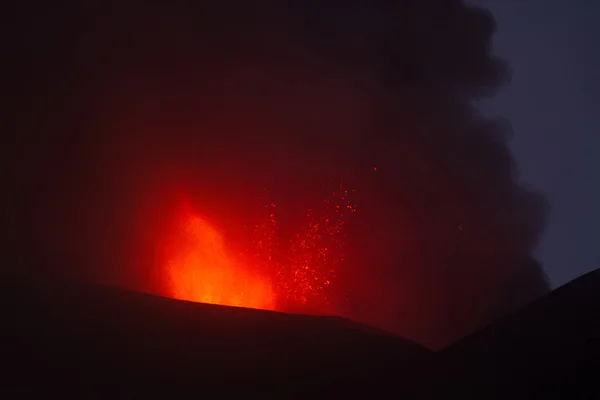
447	230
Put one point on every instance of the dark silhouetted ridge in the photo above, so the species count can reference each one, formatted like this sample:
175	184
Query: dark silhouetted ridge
85	339
551	347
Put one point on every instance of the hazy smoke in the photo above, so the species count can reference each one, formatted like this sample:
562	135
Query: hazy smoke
118	103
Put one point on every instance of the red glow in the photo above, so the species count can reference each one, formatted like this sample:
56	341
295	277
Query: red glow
288	273
201	268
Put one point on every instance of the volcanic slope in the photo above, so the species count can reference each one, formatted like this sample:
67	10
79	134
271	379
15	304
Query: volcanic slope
549	348
85	340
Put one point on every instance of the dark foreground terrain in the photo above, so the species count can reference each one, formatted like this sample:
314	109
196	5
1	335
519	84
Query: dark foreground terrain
88	341
549	349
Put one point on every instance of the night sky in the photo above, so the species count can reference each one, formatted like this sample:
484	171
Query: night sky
553	103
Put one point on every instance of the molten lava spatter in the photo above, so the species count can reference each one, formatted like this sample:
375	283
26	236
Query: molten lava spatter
201	268
285	272
309	265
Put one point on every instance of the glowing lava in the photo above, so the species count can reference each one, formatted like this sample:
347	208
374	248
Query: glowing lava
305	266
201	268
285	271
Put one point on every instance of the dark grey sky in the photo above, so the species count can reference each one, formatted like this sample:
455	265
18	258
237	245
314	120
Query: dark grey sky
553	103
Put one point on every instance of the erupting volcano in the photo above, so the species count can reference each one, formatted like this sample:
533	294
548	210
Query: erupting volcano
118	108
276	271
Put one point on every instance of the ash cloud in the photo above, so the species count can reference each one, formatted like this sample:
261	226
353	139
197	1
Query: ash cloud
120	102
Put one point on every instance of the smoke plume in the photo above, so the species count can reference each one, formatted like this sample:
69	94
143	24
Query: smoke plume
118	105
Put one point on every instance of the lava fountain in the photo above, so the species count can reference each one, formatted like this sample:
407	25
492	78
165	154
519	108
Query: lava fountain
295	271
201	268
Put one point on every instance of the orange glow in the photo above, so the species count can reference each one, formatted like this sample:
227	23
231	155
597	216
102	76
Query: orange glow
201	269
295	271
